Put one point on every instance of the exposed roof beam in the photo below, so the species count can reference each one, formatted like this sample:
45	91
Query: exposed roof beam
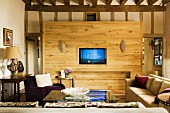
67	2
94	2
27	2
81	2
155	35
52	2
40	2
122	2
108	2
151	2
165	1
138	2
98	8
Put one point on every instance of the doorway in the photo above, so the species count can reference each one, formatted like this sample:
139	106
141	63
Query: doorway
152	56
32	56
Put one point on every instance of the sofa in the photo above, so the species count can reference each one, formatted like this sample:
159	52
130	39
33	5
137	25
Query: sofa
145	89
35	93
82	110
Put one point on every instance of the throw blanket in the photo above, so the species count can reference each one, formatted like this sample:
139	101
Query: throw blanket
167	90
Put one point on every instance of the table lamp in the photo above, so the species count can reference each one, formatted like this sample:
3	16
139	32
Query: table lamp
12	54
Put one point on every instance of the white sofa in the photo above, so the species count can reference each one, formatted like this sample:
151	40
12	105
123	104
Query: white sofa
82	110
154	86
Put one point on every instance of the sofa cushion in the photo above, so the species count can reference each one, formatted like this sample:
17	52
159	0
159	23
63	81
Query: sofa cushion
139	91
147	100
155	86
140	81
164	85
149	82
43	80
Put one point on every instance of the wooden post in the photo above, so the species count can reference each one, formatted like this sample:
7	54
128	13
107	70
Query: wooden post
26	32
70	16
56	16
141	16
41	33
152	22
126	16
112	16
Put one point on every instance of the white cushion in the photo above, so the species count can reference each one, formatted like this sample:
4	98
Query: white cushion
43	80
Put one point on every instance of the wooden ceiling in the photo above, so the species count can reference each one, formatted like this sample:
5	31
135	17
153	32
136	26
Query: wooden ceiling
96	5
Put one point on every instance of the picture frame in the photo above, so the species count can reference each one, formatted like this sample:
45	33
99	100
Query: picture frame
7	37
62	74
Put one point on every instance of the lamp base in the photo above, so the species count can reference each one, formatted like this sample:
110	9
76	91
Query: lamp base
13	67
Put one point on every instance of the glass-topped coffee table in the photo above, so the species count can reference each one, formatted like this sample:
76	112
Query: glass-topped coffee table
92	96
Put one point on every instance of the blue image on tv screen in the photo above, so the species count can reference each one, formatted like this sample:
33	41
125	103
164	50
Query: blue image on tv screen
92	56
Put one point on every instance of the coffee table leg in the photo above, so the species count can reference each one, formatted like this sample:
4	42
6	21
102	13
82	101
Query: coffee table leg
72	82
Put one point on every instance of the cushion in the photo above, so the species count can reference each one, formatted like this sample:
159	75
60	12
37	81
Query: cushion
43	80
147	100
166	90
148	83
155	86
140	91
164	85
140	81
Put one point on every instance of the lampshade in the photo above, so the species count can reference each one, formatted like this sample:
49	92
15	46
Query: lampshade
12	53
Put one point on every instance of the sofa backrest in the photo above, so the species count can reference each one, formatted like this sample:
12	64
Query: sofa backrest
30	81
155	86
158	84
164	85
149	82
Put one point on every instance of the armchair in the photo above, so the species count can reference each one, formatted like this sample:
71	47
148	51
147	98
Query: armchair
35	93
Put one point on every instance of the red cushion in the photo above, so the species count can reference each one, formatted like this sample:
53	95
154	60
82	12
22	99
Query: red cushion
140	81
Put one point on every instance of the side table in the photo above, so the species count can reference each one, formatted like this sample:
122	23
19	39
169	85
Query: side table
70	78
16	82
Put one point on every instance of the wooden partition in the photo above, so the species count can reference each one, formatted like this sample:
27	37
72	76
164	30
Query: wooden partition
96	34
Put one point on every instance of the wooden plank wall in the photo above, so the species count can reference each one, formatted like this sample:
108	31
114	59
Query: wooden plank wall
96	34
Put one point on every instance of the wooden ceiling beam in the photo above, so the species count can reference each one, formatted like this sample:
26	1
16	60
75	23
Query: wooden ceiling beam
28	2
122	2
67	2
98	8
165	1
52	2
81	2
108	2
40	2
151	2
138	2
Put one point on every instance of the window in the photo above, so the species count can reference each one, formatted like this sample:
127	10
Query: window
158	51
90	16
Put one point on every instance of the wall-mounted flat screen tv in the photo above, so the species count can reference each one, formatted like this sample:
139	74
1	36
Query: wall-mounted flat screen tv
92	55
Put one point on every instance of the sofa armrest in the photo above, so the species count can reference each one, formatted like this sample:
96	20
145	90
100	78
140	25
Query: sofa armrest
129	82
35	93
61	86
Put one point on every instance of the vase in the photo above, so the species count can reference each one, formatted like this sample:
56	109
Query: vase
67	76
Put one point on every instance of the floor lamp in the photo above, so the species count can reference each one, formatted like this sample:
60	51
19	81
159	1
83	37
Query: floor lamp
12	54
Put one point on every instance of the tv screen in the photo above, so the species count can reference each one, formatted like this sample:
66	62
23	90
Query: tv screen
92	55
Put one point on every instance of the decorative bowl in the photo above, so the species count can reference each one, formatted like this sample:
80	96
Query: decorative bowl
76	91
